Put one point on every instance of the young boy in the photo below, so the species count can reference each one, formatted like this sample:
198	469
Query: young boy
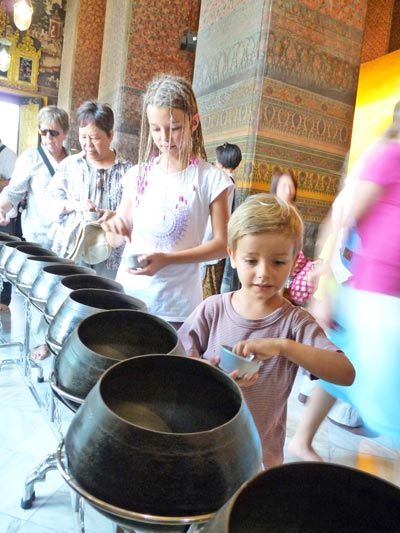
228	159
264	239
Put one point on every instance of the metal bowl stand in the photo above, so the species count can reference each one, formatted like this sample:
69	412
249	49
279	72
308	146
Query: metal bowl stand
141	523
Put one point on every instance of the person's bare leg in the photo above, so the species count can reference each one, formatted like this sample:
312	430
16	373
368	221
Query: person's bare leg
317	407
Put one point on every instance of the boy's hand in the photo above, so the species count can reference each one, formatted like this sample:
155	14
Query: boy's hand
214	361
261	349
245	381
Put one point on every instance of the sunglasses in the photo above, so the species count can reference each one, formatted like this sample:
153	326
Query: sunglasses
53	133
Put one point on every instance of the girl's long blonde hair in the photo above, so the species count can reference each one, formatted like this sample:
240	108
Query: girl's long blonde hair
173	92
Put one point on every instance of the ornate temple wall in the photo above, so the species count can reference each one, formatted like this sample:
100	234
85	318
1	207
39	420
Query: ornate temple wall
147	42
280	80
378	33
114	48
45	36
81	59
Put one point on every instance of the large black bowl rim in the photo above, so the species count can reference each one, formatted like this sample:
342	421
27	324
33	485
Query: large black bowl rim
95	317
24	244
54	269
112	282
78	292
118	511
189	360
304	467
14	244
5	237
113	286
50	259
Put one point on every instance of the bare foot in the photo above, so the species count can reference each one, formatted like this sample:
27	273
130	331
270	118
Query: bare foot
303	450
40	352
4	307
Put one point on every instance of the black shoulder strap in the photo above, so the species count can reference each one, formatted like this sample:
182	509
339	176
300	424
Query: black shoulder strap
2	147
234	192
46	160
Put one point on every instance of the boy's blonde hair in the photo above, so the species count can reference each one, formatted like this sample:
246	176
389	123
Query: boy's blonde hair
173	92
265	213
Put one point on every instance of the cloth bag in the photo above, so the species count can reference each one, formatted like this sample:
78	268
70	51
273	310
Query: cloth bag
91	245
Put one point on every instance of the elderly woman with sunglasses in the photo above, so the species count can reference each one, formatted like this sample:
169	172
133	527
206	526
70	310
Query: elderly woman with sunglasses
33	172
88	181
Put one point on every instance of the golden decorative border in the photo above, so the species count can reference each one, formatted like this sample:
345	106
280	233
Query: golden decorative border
19	51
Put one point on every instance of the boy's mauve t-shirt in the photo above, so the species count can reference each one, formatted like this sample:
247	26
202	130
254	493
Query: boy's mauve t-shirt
215	323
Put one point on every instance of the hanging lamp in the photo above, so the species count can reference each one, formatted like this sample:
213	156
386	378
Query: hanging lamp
23	11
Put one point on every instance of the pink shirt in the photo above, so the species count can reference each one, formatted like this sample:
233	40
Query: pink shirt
215	322
376	266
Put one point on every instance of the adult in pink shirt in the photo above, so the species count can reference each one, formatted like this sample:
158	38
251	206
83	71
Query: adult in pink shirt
367	307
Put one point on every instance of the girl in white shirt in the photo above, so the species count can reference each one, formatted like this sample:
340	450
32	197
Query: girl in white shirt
166	202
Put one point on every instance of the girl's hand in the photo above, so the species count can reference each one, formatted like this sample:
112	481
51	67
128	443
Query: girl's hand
80	206
118	225
4	220
261	349
88	205
156	262
104	215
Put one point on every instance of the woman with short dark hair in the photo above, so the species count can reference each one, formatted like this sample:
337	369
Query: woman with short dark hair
99	114
88	181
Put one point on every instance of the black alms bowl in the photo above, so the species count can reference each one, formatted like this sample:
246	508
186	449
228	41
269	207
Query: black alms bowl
163	435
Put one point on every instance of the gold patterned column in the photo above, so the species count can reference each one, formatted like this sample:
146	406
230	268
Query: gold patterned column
280	80
81	57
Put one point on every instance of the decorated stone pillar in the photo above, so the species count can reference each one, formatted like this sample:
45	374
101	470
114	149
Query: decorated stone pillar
280	80
81	57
